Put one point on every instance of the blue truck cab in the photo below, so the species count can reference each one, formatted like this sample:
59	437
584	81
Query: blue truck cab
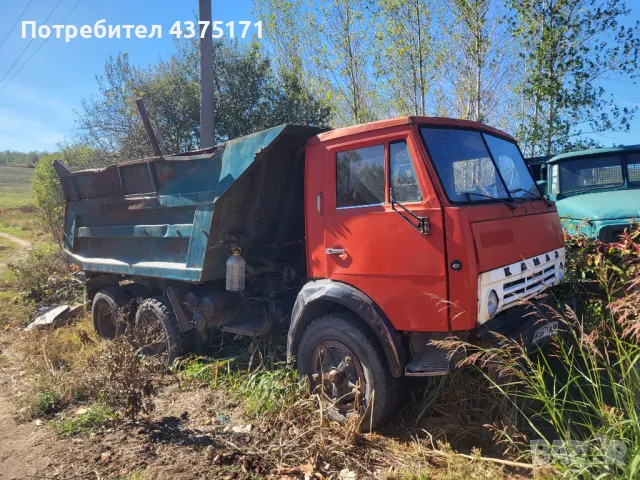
597	192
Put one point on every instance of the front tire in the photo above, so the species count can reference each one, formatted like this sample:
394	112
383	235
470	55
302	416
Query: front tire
346	367
158	332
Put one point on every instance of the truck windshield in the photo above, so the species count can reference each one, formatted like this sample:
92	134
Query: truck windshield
477	167
589	173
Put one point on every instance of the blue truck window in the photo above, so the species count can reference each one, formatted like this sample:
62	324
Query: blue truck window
633	167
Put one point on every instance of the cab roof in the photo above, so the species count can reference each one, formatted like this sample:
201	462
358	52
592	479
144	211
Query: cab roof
436	121
594	152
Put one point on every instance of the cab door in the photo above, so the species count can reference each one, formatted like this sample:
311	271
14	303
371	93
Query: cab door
379	247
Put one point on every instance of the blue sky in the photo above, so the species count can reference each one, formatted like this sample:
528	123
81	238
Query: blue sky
36	107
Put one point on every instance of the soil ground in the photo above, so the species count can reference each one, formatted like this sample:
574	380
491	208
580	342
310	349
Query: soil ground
193	433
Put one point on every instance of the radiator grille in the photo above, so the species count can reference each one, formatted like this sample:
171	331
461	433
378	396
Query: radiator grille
529	285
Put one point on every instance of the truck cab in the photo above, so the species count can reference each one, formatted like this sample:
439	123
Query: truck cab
366	243
597	192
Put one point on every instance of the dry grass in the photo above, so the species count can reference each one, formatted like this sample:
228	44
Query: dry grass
23	222
59	364
15	186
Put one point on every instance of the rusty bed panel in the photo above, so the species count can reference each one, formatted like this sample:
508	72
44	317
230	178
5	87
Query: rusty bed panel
169	217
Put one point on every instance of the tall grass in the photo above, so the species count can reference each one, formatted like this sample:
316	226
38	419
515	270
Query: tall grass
579	400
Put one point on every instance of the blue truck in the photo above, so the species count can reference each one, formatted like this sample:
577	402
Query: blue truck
596	192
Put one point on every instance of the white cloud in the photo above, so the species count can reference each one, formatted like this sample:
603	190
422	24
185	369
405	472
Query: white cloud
22	93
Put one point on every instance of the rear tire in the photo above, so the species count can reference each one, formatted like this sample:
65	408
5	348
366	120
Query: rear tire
108	310
338	342
159	331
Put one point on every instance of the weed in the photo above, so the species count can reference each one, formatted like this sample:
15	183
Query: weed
63	360
46	403
95	417
14	312
134	476
43	276
254	373
124	379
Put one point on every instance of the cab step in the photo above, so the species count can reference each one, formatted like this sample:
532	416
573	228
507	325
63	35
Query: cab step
430	363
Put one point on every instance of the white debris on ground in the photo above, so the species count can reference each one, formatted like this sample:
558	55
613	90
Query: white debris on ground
55	316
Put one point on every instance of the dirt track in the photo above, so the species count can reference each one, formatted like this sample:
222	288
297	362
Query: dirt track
22	445
23	243
22	449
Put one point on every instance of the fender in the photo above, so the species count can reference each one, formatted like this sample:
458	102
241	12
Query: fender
317	297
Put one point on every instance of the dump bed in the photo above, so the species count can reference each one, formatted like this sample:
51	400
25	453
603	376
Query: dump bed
177	217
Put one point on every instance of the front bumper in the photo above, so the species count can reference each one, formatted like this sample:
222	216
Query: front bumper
533	325
519	281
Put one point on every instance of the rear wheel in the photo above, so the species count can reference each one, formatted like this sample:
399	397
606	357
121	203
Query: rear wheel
157	330
347	369
108	310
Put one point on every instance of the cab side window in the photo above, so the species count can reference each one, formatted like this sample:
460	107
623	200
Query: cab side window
633	167
404	182
360	177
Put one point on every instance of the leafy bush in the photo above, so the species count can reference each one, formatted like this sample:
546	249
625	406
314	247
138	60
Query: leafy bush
43	276
46	403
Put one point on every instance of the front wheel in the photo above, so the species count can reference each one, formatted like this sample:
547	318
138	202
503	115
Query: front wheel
347	369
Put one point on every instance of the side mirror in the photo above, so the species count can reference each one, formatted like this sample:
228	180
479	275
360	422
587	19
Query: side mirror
542	186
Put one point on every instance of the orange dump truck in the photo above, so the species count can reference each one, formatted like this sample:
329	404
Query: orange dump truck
365	242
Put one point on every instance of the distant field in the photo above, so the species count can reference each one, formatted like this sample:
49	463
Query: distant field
15	186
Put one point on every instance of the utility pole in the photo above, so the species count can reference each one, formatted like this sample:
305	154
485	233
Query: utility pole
207	120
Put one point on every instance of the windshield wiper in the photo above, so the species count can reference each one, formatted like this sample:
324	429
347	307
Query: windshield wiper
537	195
503	200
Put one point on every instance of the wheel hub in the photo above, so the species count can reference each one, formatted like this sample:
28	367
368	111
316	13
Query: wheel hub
339	375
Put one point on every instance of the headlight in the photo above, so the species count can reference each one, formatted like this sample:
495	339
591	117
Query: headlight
561	273
492	303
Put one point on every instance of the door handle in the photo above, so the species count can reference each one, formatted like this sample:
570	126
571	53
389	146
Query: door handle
335	251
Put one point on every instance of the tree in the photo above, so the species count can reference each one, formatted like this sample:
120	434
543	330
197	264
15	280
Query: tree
344	57
48	197
248	97
479	66
567	47
409	55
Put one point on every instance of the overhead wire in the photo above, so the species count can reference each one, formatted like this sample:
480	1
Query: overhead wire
16	23
28	45
37	49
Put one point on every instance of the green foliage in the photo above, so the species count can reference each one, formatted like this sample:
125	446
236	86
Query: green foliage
248	97
584	388
567	47
95	417
607	267
250	371
10	157
37	276
263	390
47	193
46	403
409	57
